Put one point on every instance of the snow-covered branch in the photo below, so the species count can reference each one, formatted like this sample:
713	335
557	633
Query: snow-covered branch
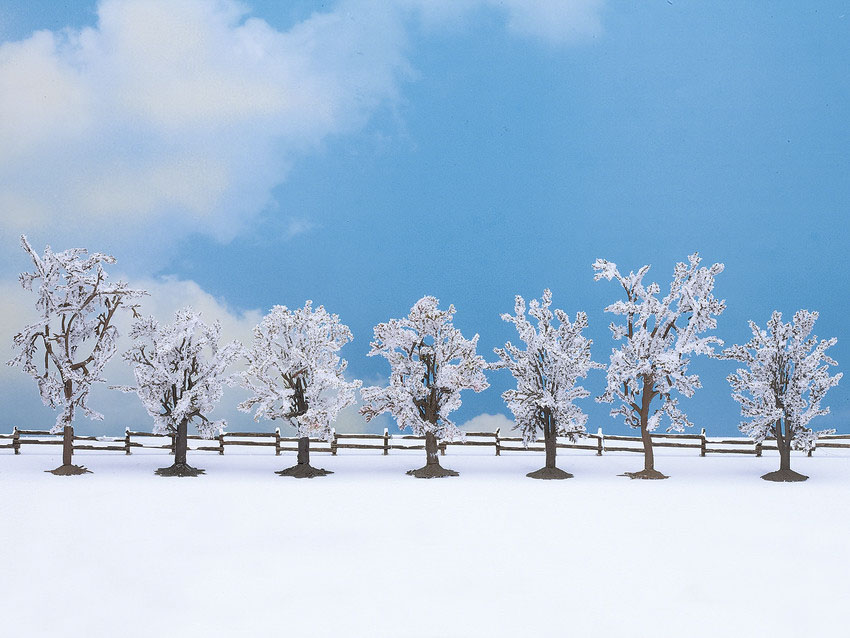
294	371
431	363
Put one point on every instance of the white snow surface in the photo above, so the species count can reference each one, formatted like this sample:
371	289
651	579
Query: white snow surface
369	551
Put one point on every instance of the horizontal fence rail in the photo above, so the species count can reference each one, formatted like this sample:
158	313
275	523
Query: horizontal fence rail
596	442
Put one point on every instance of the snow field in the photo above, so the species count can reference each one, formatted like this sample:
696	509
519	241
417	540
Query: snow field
369	551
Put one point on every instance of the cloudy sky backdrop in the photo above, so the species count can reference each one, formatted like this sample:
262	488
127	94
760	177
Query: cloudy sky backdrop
363	154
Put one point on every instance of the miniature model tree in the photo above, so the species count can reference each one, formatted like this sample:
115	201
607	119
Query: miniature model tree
781	389
180	374
546	373
68	348
431	363
295	374
659	337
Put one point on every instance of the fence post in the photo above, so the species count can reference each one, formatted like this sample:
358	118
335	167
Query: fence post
127	441
702	442
758	448
277	441
333	442
442	448
220	442
498	443
16	440
599	442
173	436
386	441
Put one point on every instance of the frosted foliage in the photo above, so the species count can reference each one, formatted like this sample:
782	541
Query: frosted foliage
659	336
786	378
294	371
68	348
431	363
180	370
547	369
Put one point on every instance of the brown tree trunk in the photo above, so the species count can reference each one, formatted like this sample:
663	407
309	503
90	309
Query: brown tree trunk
649	471
784	474
67	444
432	468
181	446
431	449
302	468
68	468
550	441
181	442
304	450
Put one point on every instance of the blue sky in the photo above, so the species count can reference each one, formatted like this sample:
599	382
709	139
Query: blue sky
366	155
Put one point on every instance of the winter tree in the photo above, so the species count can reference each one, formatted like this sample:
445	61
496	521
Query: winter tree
295	374
546	373
180	373
431	363
68	348
781	389
659	337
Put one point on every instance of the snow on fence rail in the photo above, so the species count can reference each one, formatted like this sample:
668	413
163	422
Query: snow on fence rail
597	442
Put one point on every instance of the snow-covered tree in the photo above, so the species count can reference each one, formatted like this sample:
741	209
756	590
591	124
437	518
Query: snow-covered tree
659	337
781	389
180	374
295	373
68	348
431	363
546	372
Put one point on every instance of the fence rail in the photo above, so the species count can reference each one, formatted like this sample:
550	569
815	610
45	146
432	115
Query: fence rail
597	442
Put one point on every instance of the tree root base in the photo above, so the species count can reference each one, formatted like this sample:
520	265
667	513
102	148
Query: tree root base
549	473
785	476
646	474
179	469
303	470
69	470
432	471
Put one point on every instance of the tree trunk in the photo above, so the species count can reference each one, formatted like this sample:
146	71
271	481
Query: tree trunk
432	468
181	445
784	474
181	442
68	468
431	450
649	471
550	440
67	444
304	450
302	468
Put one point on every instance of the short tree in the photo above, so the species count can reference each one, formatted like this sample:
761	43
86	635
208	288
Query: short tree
546	374
659	337
295	374
68	348
781	389
180	373
431	363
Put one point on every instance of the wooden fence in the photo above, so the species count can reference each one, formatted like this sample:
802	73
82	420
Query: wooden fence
598	442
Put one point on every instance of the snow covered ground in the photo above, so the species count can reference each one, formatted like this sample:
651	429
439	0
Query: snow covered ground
368	551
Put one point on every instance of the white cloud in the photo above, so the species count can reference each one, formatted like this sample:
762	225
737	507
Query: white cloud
180	116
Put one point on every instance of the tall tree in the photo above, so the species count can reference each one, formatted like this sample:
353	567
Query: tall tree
68	348
295	374
781	389
431	363
659	337
546	374
180	374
